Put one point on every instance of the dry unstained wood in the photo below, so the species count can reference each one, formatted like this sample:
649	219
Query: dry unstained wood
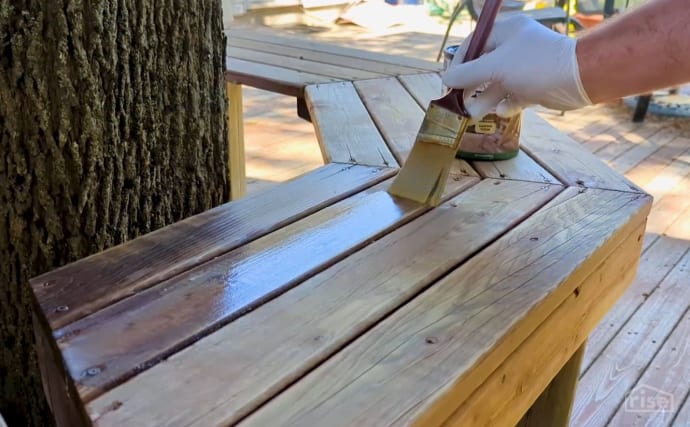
85	286
420	362
522	167
641	141
514	386
655	164
406	64
423	87
283	339
566	159
656	262
236	157
669	210
396	114
668	375
344	128
300	64
683	417
381	69
271	78
605	384
640	152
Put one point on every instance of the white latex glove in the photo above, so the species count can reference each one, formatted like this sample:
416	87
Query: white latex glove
524	63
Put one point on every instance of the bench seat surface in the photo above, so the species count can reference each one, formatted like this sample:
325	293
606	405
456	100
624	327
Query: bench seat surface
326	301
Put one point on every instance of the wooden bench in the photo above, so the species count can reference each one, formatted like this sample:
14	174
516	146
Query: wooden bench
324	301
288	65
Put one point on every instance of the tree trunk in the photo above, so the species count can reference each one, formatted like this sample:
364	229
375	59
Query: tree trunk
112	124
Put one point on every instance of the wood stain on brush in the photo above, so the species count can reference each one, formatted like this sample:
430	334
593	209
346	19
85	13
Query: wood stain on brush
493	137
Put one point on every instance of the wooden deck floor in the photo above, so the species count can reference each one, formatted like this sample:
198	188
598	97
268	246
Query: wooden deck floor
642	348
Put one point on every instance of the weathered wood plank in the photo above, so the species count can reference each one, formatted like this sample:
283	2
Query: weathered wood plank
652	166
605	384
566	159
638	153
379	68
522	168
423	87
146	327
656	262
271	78
419	363
84	287
668	375
683	417
642	140
344	128
504	396
300	64
275	344
405	64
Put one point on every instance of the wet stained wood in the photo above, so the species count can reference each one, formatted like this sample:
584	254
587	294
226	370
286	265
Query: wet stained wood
403	64
522	167
566	159
419	363
271	77
668	375
85	286
503	397
275	344
423	87
300	64
608	379
344	128
139	331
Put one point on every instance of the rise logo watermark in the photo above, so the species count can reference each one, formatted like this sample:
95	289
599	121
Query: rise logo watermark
646	399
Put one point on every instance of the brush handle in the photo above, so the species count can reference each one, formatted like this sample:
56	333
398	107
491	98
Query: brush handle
454	98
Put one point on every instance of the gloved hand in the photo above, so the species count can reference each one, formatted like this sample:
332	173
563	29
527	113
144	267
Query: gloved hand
524	63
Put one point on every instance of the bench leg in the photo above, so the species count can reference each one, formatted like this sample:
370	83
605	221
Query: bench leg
303	110
236	161
554	406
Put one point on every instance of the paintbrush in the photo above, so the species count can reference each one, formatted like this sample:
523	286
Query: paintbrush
423	176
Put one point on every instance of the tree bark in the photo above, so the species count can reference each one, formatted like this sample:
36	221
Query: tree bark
112	124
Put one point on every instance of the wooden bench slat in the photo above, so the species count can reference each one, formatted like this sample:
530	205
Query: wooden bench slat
465	325
300	64
275	343
423	87
173	313
566	159
406	64
85	286
522	167
271	78
503	398
382	69
344	128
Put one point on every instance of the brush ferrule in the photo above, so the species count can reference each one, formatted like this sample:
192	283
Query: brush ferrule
442	127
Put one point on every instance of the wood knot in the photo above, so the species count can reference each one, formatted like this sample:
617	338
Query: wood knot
431	340
533	239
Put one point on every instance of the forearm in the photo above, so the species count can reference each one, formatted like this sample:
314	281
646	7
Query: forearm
643	50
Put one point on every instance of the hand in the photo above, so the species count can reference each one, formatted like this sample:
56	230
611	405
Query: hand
523	63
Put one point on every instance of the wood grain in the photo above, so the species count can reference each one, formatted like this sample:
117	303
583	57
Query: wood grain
655	164
522	167
397	115
236	157
609	378
344	128
270	77
423	87
406	64
381	69
275	344
300	64
566	159
514	386
416	365
141	330
683	417
656	262
84	287
668	374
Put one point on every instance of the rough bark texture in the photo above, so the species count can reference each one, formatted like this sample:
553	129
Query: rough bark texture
112	124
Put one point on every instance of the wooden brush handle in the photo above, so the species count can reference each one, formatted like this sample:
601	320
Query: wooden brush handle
454	99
